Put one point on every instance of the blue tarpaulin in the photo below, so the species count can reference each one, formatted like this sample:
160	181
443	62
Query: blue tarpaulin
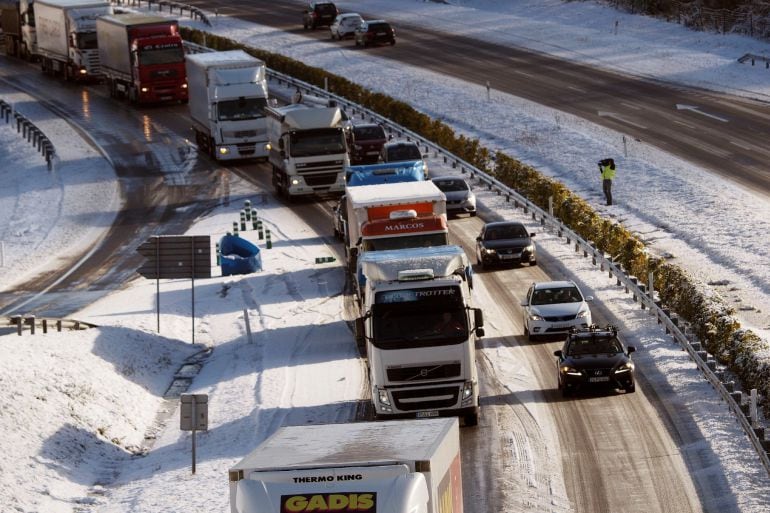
238	256
386	172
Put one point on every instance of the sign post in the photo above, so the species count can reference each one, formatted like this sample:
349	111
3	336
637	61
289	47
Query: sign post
176	256
194	416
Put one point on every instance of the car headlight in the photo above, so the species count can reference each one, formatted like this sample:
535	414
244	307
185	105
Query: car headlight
583	314
382	395
535	317
626	367
569	370
488	251
530	248
358	147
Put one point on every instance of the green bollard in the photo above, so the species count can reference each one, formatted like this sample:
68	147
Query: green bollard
243	221
260	234
219	254
247	209
253	218
268	242
235	228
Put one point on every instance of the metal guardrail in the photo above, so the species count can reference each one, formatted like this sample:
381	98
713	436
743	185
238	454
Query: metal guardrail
641	293
194	11
753	58
20	323
30	132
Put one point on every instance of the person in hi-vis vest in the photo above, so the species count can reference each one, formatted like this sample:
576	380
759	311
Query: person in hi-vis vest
607	169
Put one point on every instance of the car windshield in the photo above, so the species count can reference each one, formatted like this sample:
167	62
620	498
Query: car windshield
556	295
404	152
451	185
514	231
242	108
368	132
594	345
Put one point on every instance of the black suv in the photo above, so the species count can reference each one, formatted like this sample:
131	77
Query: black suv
594	356
374	32
319	14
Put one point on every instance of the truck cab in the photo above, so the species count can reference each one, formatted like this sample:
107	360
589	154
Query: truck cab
419	327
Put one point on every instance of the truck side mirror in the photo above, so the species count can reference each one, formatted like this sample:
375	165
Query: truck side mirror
478	318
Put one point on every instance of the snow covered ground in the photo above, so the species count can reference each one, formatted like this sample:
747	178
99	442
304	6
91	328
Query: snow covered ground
76	406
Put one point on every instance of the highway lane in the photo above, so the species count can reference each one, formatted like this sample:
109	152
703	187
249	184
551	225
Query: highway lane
720	133
501	453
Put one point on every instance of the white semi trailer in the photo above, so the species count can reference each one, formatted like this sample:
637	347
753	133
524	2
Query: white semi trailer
375	467
227	100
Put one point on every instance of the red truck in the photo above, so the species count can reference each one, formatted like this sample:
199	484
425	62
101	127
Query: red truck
142	58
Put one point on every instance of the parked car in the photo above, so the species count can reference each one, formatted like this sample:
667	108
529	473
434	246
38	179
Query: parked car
365	141
505	242
319	14
594	356
554	308
460	199
374	32
345	25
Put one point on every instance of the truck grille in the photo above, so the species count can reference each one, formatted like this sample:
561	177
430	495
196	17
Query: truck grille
409	400
425	372
329	165
320	179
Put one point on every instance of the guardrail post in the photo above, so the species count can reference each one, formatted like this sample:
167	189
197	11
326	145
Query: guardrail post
58	324
45	325
31	321
17	320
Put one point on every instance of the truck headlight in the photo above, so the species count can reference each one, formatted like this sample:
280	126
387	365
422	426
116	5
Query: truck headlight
144	89
184	86
294	181
382	395
224	150
268	147
467	390
83	71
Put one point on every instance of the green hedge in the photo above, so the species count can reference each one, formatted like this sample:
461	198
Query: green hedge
711	318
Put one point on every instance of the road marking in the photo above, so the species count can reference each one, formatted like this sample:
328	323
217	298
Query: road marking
741	144
620	118
631	106
684	124
695	109
522	73
576	89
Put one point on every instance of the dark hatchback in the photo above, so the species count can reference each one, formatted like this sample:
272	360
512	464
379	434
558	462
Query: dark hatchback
319	14
594	356
505	242
365	142
374	32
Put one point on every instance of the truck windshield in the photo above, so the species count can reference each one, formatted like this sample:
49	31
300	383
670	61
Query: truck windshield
325	141
161	54
87	41
420	317
403	241
242	108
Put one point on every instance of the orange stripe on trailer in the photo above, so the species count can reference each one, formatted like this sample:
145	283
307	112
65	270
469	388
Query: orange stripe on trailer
420	224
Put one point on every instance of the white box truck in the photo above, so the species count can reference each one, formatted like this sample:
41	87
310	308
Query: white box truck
420	327
17	20
66	37
227	98
308	151
394	216
364	467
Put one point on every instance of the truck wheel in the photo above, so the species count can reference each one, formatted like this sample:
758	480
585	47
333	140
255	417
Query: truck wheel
471	420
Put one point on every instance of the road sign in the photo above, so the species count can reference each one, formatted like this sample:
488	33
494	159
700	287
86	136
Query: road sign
176	256
194	412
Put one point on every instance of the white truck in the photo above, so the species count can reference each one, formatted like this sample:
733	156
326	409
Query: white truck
308	152
420	327
394	216
66	37
227	98
17	20
405	466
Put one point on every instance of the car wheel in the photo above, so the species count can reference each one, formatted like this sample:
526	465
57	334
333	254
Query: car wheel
566	391
630	389
392	42
533	262
471	419
473	214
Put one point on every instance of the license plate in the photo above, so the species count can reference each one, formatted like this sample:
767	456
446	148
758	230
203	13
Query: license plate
425	414
510	257
599	379
372	152
380	34
560	326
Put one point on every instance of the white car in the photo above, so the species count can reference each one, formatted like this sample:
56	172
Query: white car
344	25
554	308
